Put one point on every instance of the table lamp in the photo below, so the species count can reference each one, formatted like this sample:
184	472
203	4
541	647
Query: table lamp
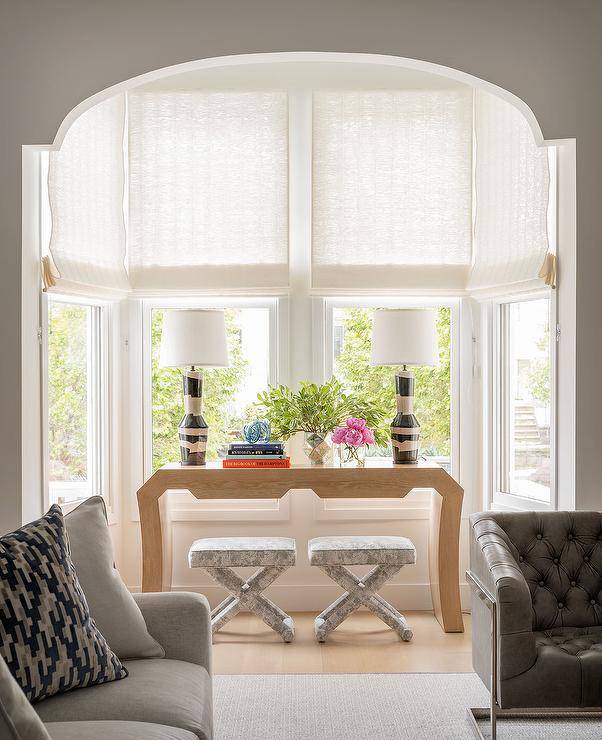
191	339
404	337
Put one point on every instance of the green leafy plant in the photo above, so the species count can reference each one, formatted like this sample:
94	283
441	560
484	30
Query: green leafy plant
538	377
316	409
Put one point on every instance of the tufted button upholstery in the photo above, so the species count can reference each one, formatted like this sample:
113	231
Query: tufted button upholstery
545	571
560	556
574	641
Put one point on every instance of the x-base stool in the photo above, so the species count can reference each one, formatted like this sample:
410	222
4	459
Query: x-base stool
387	554
273	555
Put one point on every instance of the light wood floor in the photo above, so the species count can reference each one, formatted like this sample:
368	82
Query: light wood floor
362	644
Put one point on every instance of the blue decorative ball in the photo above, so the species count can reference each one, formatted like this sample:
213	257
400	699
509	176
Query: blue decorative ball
257	431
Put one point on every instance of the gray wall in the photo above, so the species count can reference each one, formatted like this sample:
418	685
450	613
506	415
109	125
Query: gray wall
54	53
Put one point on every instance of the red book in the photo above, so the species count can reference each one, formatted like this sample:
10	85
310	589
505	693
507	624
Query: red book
257	463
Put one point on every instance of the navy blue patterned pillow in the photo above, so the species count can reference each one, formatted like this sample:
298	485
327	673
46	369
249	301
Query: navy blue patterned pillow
47	637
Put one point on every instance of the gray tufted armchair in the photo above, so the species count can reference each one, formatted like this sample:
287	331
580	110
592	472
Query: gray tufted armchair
544	572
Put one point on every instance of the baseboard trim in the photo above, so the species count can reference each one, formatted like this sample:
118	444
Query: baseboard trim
315	597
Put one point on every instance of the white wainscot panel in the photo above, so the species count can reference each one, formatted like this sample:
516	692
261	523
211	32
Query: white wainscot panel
306	588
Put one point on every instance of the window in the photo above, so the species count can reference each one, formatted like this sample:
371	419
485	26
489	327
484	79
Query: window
76	400
348	337
335	192
228	393
525	401
208	189
391	187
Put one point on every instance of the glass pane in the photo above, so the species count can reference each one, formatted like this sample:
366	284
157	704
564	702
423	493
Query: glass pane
352	329
228	393
527	427
68	400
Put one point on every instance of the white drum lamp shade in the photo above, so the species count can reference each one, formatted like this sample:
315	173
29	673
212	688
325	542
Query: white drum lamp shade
194	337
404	337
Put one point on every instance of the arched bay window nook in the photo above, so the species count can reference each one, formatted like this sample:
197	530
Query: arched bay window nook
299	192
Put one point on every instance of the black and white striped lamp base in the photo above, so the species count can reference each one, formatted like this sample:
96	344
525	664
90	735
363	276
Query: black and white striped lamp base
405	429
193	429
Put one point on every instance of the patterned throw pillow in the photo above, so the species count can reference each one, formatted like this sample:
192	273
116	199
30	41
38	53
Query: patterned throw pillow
47	637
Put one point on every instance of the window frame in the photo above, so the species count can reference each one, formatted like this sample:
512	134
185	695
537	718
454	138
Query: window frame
499	499
100	403
278	366
323	346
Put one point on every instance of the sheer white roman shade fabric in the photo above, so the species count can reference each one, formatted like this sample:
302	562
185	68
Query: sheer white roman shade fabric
392	194
512	189
208	186
392	189
86	191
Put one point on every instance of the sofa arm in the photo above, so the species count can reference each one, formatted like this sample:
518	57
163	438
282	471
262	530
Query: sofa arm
493	563
181	623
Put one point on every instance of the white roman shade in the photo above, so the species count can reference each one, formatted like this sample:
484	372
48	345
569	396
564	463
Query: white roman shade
392	189
208	186
86	191
512	189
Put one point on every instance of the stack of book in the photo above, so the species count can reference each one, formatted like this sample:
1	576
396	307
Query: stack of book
260	455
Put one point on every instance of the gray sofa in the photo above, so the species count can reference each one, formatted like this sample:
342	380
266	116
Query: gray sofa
544	571
166	698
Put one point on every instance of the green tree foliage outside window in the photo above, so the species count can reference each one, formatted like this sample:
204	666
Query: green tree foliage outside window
220	386
352	368
539	371
67	391
433	384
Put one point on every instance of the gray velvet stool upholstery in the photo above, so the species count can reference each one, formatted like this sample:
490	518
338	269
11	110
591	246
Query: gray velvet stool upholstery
273	555
387	554
544	570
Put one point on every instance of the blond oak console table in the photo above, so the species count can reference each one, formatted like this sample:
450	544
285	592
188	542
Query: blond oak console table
376	480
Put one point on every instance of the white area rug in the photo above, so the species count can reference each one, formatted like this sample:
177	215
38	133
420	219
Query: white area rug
402	706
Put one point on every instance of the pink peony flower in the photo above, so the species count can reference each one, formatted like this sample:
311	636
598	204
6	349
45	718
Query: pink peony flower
355	433
356	423
368	436
338	435
354	437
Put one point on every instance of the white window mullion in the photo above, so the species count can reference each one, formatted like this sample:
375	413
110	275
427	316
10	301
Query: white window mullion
92	405
300	234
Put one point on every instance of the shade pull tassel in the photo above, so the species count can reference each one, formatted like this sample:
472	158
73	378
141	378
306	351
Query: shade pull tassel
548	269
48	273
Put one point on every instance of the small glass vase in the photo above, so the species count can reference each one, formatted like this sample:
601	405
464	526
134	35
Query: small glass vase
317	448
351	457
